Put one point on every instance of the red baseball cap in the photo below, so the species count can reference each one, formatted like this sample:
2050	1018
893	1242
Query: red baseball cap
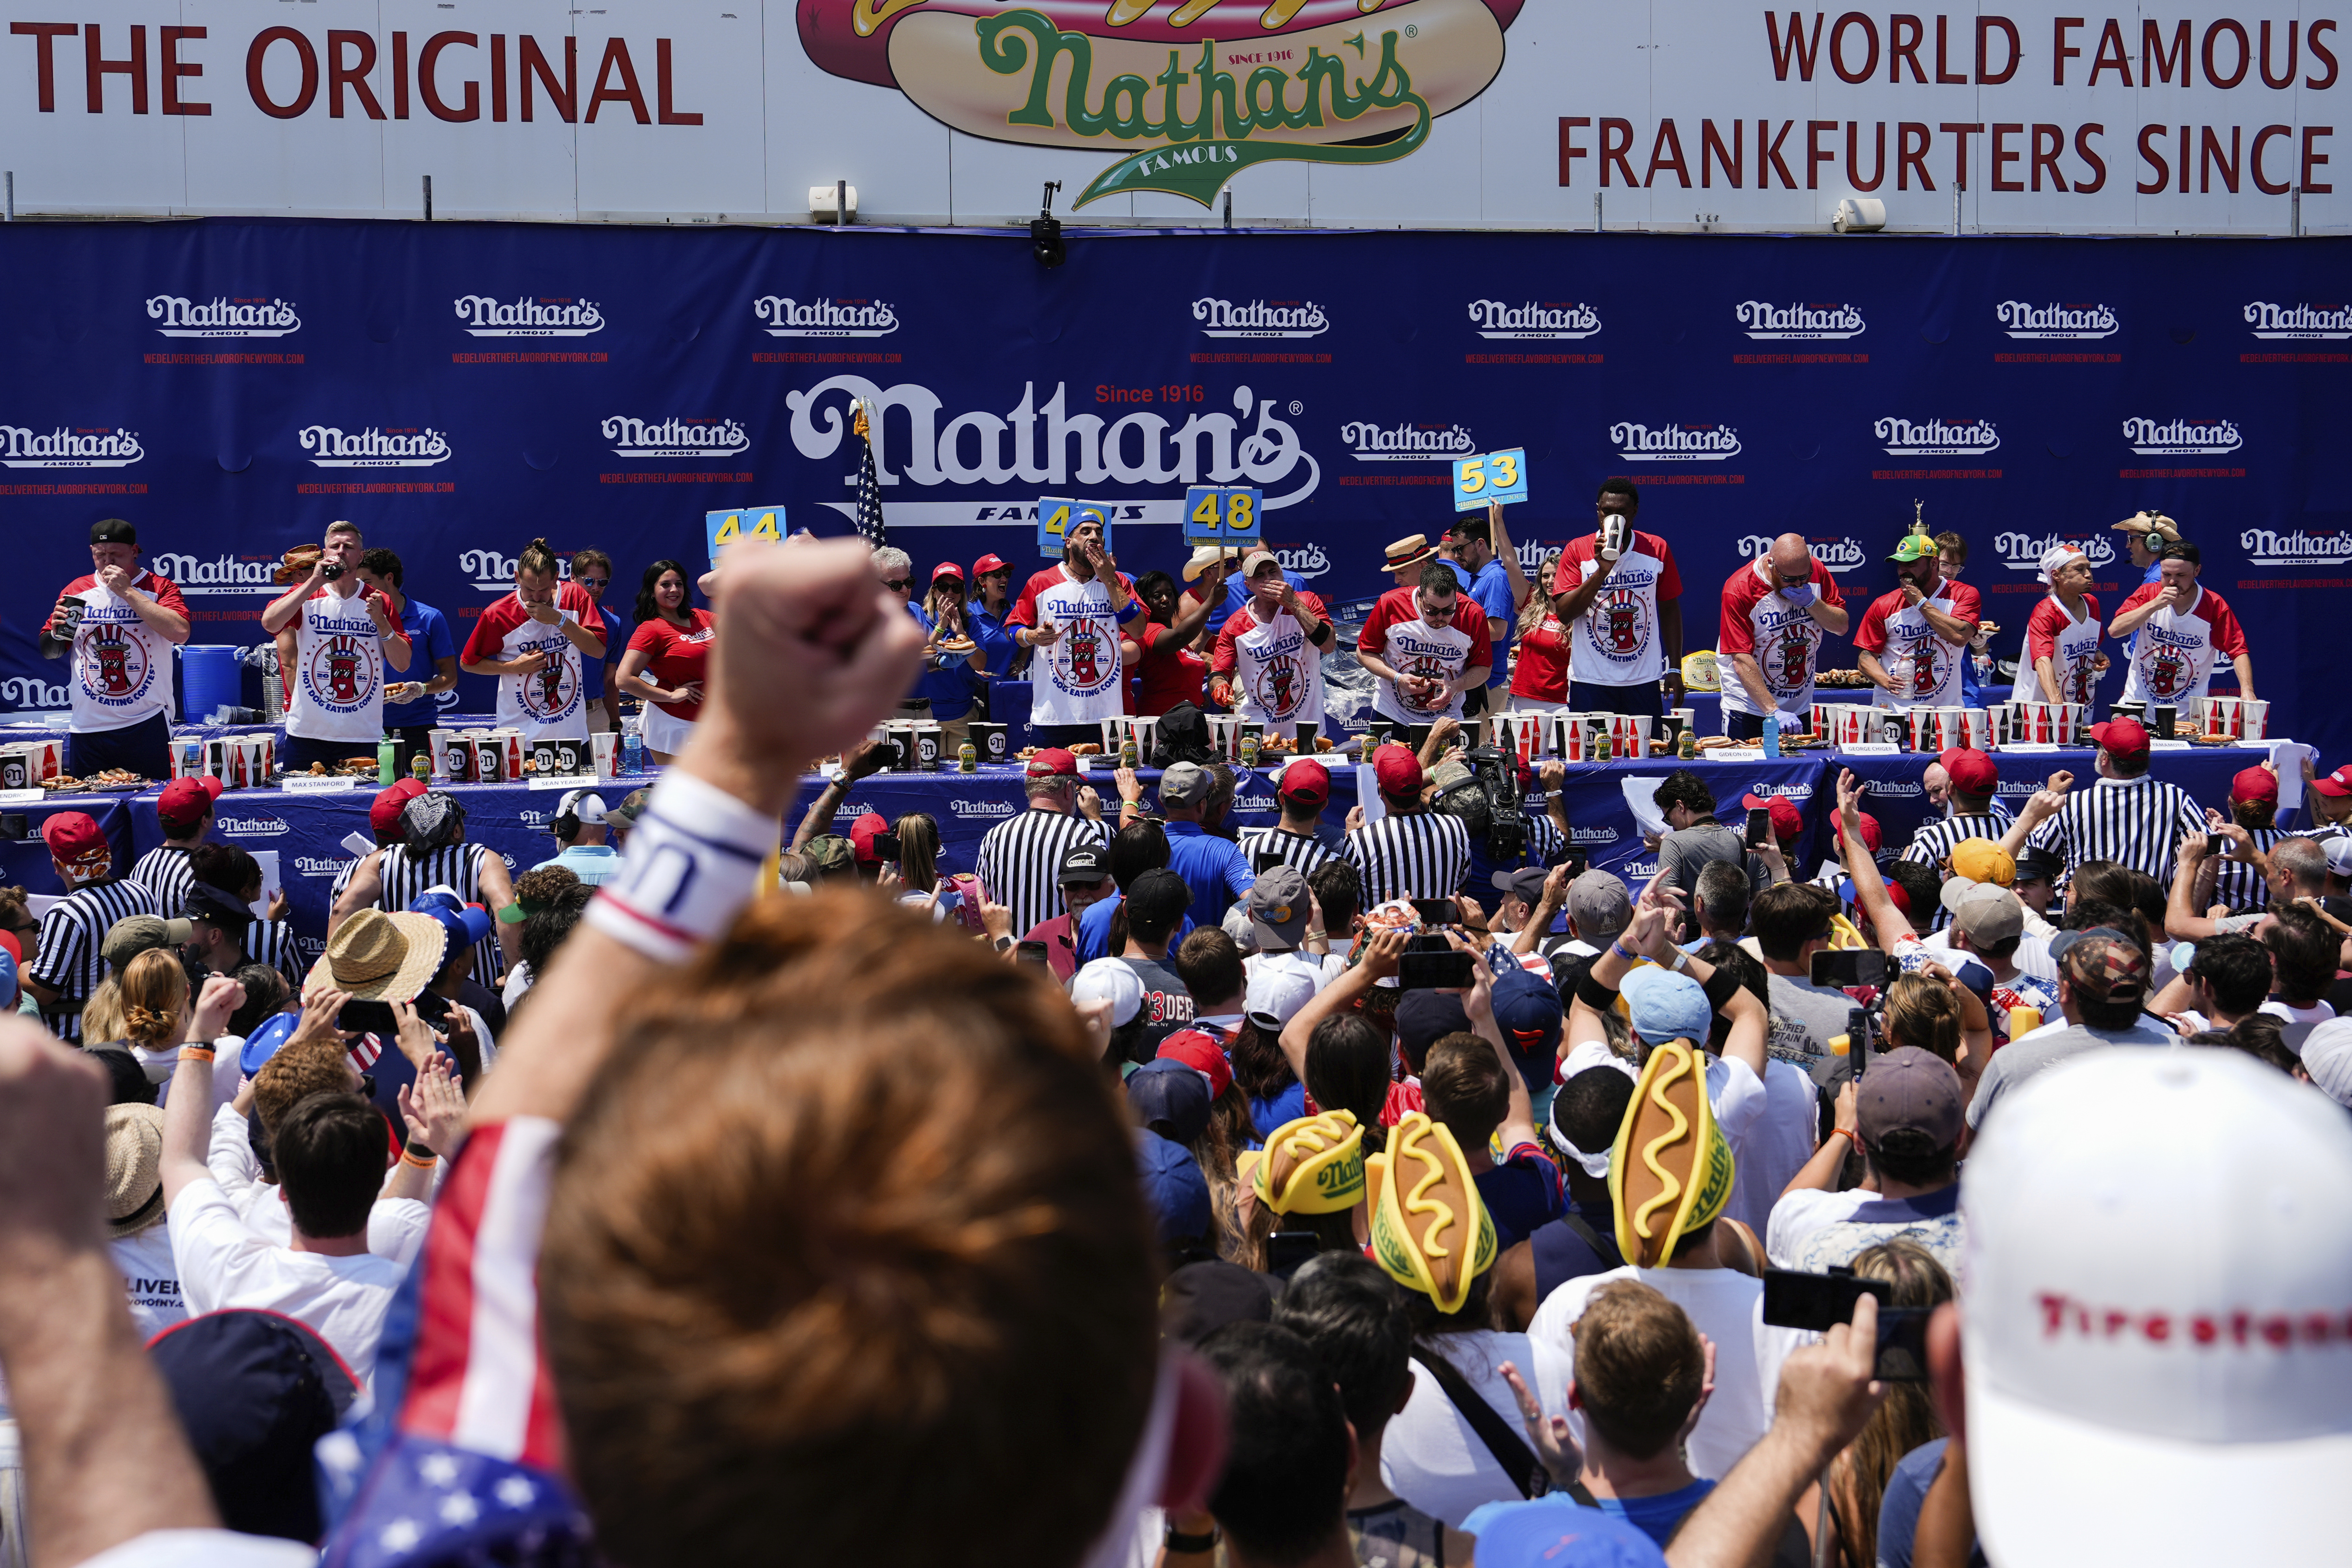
987	564
2124	737
384	815
862	833
947	569
1050	761
2253	785
1397	768
1869	831
2335	785
185	801
73	837
1203	1055
1787	820
1971	772
1306	780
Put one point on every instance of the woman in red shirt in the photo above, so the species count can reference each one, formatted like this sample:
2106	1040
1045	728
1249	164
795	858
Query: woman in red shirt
1539	669
665	660
1165	654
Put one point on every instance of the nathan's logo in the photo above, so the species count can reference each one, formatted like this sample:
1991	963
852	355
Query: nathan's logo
65	447
980	808
333	448
30	691
1184	101
2020	319
527	318
2024	551
220	574
255	827
1898	787
1674	443
319	866
1793	790
2300	320
1032	445
1592	836
2182	437
1308	560
1254	803
2268	547
1936	438
824	318
674	437
1285	319
1839	555
1494	319
1767	322
219	318
1402	443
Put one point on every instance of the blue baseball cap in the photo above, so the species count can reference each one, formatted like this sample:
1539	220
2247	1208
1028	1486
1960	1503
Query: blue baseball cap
263	1043
1554	1533
1664	1005
1173	1186
1528	1013
465	923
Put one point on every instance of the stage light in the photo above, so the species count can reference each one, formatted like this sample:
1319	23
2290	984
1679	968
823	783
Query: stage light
1045	232
1859	214
836	203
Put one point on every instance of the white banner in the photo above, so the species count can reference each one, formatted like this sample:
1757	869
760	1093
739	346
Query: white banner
1326	112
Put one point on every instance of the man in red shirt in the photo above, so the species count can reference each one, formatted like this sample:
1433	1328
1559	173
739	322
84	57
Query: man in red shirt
120	622
1775	611
538	642
1620	594
1924	627
2180	626
1270	659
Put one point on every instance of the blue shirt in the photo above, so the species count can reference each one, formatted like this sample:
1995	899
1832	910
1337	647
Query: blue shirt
428	642
996	645
1093	930
618	625
1492	588
950	687
594	864
1654	1517
1284	1108
1899	1511
1214	868
1522	1194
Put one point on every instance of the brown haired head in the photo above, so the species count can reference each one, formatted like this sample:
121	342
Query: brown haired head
536	559
155	998
849	1195
1923	1012
299	1070
1639	1365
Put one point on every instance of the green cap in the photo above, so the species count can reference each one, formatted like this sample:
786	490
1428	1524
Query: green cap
832	854
628	809
1915	547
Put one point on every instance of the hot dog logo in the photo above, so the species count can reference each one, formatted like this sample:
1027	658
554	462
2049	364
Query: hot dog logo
1619	626
341	676
2168	672
1796	658
548	693
1278	687
1190	96
114	667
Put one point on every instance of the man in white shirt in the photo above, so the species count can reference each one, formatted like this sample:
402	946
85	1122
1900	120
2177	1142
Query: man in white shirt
1422	651
539	642
343	634
1907	1121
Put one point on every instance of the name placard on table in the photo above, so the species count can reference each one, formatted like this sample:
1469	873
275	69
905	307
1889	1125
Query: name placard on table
564	780
22	797
313	783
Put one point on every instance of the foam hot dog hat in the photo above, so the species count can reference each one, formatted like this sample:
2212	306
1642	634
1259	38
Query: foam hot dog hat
1431	1231
1313	1164
1337	73
1670	1170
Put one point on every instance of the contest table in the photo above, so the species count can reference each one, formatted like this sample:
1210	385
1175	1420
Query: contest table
306	830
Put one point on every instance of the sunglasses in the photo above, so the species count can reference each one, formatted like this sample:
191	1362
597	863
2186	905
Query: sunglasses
1440	612
592	581
897	585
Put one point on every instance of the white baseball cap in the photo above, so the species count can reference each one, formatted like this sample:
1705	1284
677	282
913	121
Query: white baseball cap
2339	854
2158	1321
1114	980
1279	990
585	804
2327	1057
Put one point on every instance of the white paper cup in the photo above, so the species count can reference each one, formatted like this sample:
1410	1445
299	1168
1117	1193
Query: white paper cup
2253	719
1226	733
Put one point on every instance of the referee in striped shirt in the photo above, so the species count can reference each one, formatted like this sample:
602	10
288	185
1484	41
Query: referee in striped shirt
184	812
1972	780
431	853
2253	807
1412	852
1021	861
1299	840
72	958
2126	817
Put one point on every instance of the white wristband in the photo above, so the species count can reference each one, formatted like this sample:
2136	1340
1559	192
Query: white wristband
682	886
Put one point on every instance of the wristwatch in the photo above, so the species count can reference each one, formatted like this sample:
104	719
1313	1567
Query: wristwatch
1003	944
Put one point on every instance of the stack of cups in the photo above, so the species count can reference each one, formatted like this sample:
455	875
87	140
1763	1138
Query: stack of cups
606	744
1977	726
1226	733
2253	719
1116	731
1521	733
2073	723
1629	734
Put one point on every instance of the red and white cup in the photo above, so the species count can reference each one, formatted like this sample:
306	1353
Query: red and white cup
2073	723
2253	719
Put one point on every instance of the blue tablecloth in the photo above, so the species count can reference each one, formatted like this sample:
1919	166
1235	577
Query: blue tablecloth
306	830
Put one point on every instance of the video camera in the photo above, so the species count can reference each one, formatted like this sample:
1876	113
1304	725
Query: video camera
1865	1028
1489	804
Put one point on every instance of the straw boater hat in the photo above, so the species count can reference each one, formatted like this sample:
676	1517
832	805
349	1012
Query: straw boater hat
1410	550
380	957
134	1169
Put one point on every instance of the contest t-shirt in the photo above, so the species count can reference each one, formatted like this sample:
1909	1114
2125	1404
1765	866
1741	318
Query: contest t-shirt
2173	652
673	657
429	640
1074	679
1395	634
1758	619
1168	672
1915	655
1278	674
338	688
550	704
122	671
2069	645
1616	643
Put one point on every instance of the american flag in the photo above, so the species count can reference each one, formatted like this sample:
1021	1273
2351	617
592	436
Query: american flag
869	495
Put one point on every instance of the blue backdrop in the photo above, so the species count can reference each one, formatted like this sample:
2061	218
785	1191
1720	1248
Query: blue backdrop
458	389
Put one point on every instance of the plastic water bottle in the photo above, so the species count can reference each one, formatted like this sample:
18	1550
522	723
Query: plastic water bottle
386	757
632	750
1772	737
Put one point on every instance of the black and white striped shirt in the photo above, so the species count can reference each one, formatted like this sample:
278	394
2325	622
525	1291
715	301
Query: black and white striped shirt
2137	823
406	876
73	946
1308	853
164	872
1020	863
273	943
1934	841
2236	884
1424	855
